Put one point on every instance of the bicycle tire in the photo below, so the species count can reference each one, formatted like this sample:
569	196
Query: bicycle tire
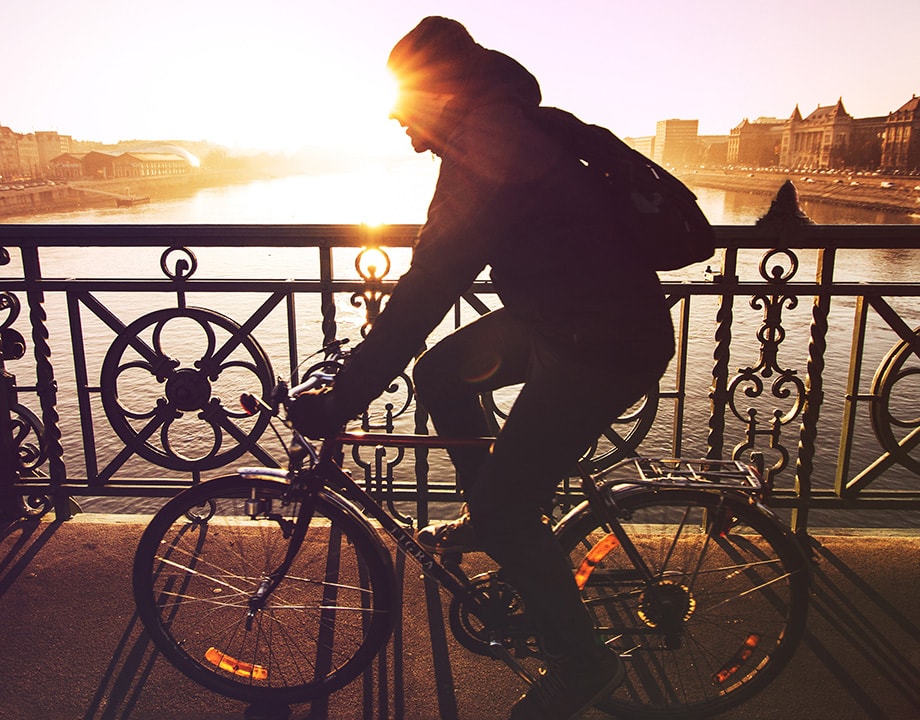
721	618
195	572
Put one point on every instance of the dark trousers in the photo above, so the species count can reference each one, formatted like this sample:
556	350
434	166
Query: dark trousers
564	405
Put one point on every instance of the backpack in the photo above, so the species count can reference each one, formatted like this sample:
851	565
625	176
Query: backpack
657	211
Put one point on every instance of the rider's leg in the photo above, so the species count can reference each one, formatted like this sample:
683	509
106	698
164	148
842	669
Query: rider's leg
489	353
563	408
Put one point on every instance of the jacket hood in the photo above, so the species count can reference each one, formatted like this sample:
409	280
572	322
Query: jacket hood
492	76
440	57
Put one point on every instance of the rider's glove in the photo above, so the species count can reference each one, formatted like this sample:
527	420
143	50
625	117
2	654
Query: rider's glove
313	414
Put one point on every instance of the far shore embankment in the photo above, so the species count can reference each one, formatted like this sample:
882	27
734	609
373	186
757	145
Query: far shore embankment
889	193
80	194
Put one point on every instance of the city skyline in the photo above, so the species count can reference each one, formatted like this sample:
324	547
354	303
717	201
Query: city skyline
650	132
306	74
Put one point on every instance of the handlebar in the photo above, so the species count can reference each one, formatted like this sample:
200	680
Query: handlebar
318	375
314	379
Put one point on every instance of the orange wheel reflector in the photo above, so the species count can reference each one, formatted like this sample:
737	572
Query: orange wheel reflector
738	659
594	556
237	667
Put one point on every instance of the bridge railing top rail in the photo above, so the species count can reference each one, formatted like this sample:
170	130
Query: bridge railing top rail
403	235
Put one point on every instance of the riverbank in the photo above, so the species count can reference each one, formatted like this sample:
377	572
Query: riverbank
896	194
45	198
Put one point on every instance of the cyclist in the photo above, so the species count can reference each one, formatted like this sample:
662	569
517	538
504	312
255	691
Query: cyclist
584	326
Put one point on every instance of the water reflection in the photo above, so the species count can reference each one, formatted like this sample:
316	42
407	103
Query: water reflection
381	196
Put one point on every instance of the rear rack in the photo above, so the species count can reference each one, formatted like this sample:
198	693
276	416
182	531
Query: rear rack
682	473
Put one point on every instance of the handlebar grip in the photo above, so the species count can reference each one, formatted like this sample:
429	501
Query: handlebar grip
316	379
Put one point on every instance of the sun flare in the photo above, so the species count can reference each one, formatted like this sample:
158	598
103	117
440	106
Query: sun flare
353	111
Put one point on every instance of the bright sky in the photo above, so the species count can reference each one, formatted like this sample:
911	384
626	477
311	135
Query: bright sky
284	74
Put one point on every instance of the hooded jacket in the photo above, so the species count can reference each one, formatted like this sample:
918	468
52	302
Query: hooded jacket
508	198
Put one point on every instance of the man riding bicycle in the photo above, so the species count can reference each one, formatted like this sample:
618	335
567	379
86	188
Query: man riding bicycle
584	326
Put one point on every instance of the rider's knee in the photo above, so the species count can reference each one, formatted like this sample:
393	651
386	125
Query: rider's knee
427	375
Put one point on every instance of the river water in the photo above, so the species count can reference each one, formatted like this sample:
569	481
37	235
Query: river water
356	198
396	197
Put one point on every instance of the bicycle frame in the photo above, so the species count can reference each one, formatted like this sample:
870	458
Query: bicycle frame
327	473
328	470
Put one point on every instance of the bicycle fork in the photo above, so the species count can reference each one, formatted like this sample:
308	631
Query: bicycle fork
296	532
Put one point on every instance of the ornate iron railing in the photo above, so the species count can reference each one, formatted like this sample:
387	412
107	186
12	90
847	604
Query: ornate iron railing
142	337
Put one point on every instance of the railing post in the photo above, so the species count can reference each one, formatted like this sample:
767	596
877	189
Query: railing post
786	216
814	389
718	391
327	297
46	385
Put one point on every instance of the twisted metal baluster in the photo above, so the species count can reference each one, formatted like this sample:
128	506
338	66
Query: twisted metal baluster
327	298
718	393
814	386
46	385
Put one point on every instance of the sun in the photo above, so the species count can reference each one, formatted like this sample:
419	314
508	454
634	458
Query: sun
351	108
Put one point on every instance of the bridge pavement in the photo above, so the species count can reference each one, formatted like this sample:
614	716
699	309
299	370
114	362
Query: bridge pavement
71	646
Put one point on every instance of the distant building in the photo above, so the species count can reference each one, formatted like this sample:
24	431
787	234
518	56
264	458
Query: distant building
901	138
96	165
148	164
9	154
818	141
676	142
831	139
29	158
68	166
755	144
713	149
50	145
865	149
644	145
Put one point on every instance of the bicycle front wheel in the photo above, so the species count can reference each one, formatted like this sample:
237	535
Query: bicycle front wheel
720	614
201	561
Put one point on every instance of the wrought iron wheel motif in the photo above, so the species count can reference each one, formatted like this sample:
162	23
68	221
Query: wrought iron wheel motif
894	412
171	383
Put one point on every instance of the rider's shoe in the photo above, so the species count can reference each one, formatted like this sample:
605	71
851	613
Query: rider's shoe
455	536
569	686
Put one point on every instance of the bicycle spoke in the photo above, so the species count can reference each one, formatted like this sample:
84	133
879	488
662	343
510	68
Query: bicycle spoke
200	586
717	618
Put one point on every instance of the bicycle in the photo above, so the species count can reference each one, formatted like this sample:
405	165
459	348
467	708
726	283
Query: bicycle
274	585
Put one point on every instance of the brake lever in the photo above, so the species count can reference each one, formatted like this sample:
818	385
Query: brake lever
252	404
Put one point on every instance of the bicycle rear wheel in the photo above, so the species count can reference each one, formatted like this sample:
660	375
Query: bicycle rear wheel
724	610
204	555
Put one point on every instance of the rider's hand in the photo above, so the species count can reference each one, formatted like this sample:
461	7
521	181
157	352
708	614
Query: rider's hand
312	413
